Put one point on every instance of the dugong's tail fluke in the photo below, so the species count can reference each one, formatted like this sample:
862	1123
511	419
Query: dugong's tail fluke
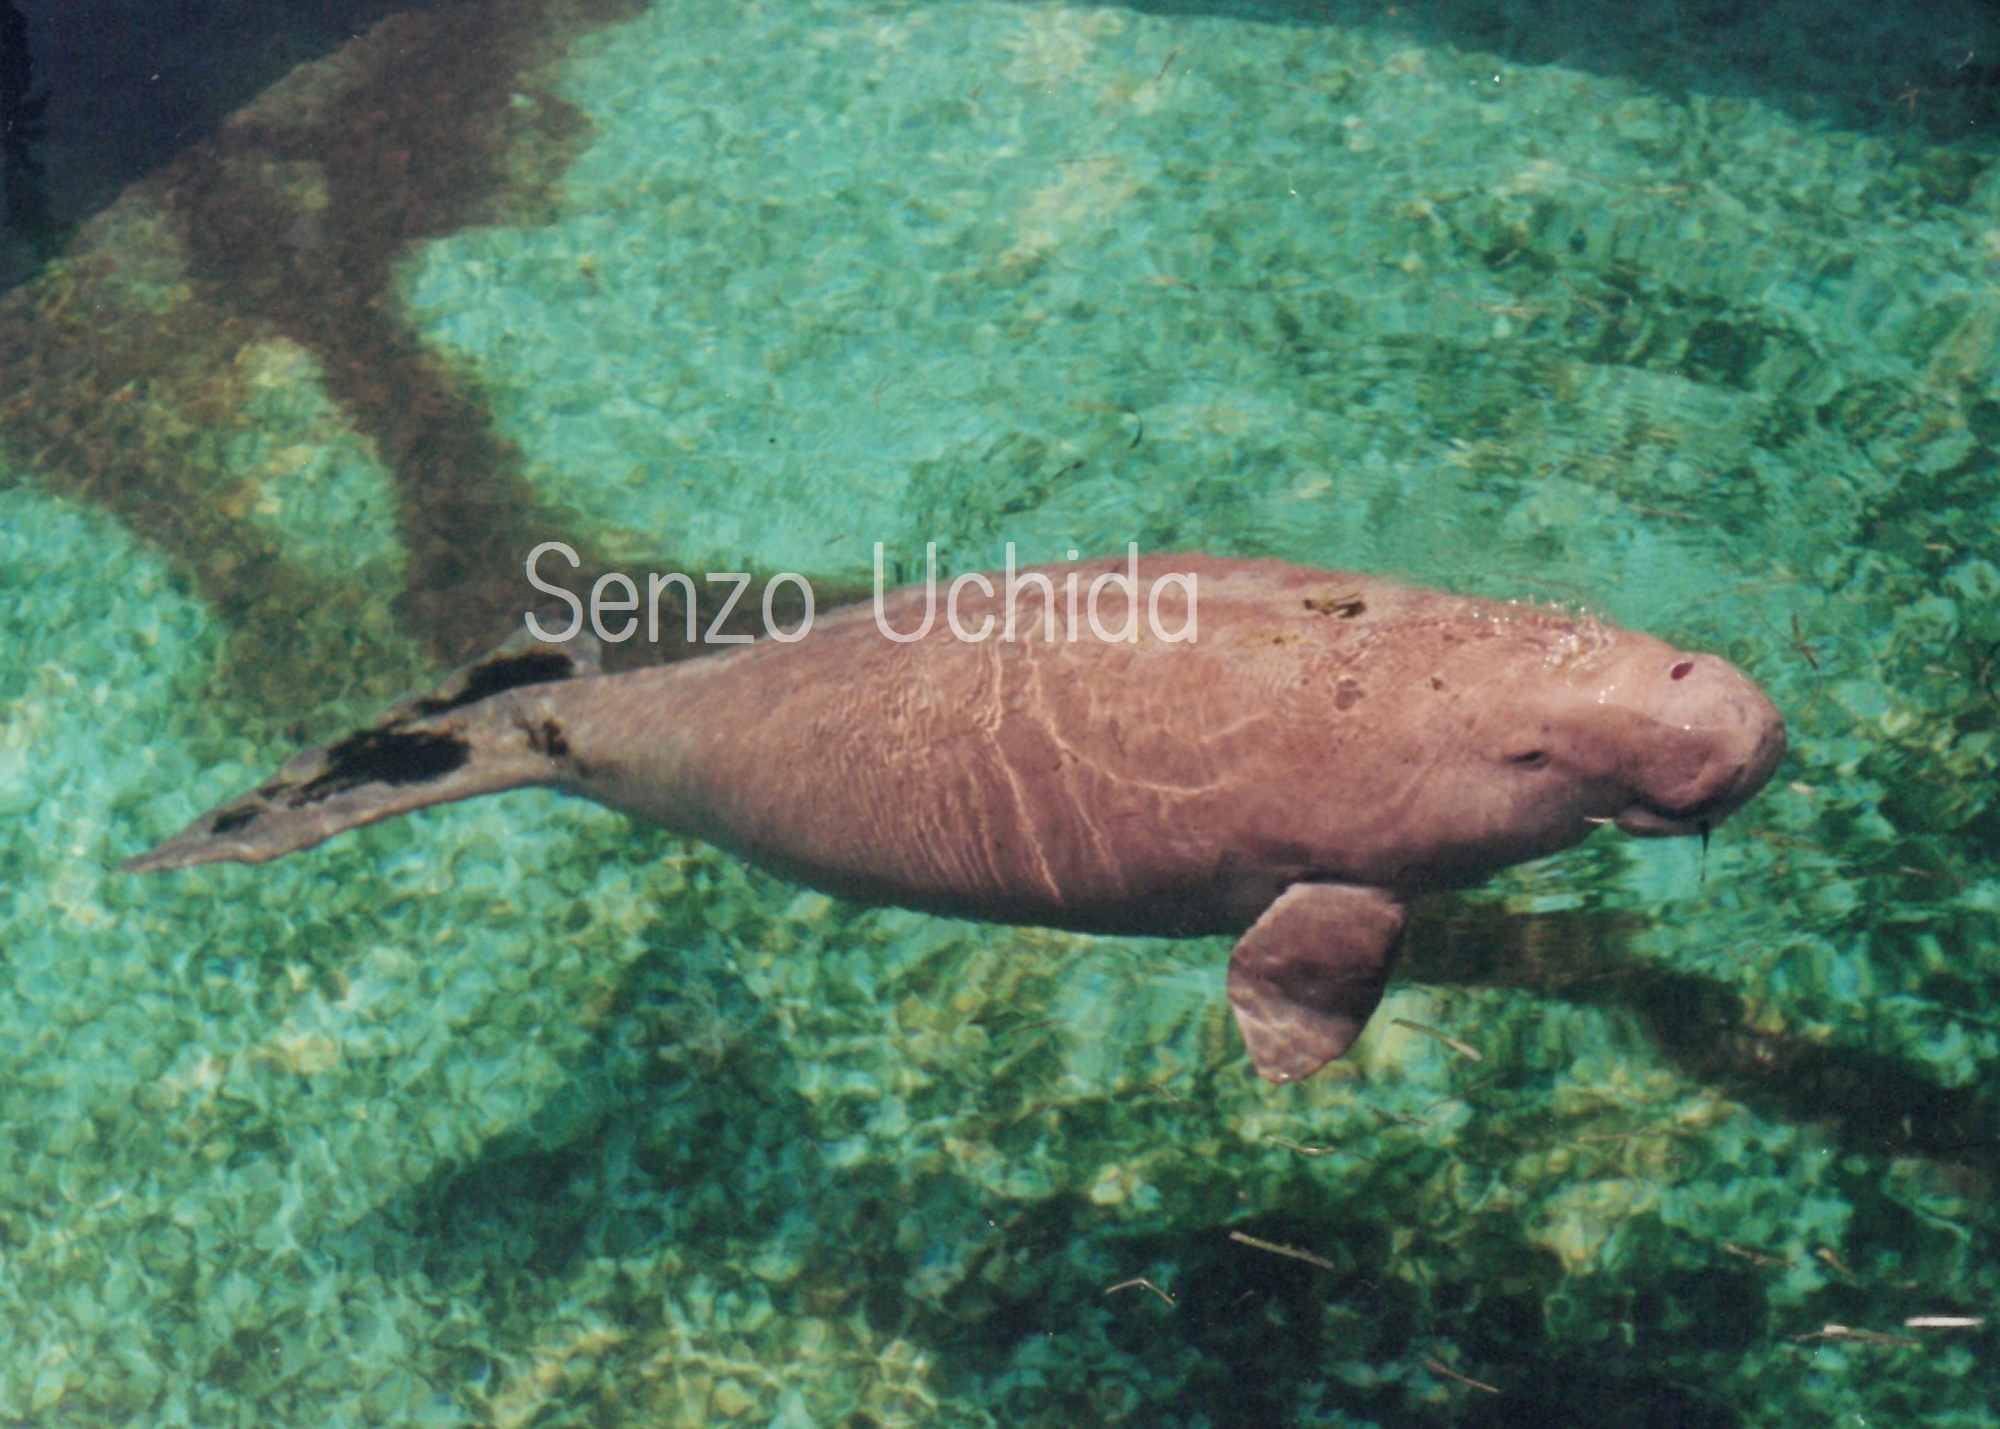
483	730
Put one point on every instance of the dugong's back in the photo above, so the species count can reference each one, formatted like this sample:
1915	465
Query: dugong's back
1148	785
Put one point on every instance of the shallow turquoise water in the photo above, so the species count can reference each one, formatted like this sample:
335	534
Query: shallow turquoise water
515	1114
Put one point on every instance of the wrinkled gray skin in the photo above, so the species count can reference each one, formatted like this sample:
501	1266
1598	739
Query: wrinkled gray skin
1328	746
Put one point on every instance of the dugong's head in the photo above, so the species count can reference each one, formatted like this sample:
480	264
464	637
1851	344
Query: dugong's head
1629	730
1711	739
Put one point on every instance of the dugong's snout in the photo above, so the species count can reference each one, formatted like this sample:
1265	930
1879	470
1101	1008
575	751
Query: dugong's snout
1716	740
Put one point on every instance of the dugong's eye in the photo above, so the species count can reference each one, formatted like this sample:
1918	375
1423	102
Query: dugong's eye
1681	670
1533	759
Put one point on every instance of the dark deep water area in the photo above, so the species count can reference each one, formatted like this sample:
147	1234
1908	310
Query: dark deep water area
97	93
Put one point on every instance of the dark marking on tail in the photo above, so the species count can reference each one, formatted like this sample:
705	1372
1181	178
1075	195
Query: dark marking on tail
539	666
547	738
384	756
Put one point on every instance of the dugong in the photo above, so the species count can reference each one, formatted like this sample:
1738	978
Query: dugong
1280	753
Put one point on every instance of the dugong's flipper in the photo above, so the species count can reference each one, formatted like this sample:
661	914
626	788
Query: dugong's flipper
457	741
1308	975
